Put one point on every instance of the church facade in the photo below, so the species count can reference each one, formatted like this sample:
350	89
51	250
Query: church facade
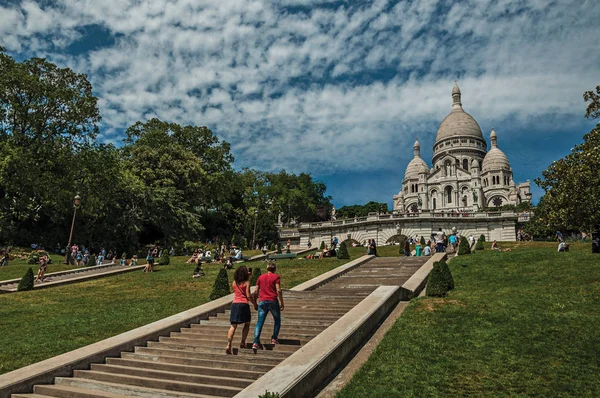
465	176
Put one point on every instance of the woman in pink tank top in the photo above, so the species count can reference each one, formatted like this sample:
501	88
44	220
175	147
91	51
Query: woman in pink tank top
240	308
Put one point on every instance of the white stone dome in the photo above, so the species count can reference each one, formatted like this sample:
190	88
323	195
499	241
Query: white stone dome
415	167
458	122
495	159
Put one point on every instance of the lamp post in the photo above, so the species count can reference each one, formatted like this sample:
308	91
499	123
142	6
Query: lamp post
76	204
254	235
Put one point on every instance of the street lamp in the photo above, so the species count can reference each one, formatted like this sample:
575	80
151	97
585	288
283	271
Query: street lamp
76	204
254	235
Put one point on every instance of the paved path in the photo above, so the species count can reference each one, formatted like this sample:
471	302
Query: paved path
71	276
192	361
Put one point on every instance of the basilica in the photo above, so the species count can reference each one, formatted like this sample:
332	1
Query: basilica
465	176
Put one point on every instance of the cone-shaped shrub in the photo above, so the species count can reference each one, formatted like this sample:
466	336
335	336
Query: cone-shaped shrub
254	277
92	260
479	245
463	246
342	252
221	285
268	394
322	245
164	258
26	282
437	286
447	274
482	238
278	248
422	241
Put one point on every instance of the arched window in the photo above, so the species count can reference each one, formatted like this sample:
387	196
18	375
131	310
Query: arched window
497	201
448	194
416	187
433	204
466	164
433	200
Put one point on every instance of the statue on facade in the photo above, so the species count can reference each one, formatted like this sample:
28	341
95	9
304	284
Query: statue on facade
475	196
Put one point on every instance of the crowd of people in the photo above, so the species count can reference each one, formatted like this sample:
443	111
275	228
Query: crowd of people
227	255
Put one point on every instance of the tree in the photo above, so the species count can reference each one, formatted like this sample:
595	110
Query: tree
447	274
571	185
164	258
479	245
322	246
463	246
221	285
361	210
437	284
482	237
342	252
422	241
26	282
254	277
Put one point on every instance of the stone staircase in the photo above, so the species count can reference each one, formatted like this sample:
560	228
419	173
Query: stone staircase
192	361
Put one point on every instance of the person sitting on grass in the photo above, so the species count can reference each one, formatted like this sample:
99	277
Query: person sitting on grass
228	264
495	246
237	256
198	271
563	247
5	258
133	262
100	259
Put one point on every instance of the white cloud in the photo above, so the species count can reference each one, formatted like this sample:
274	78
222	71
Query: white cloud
324	85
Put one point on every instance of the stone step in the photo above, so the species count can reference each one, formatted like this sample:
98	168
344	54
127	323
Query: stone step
211	339
200	370
299	315
234	363
117	388
65	391
259	359
169	385
269	351
185	342
221	330
30	396
174	376
269	321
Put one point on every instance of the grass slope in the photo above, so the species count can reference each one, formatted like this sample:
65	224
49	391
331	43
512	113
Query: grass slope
519	323
16	268
40	324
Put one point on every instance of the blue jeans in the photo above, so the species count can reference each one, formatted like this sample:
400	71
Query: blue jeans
439	248
264	307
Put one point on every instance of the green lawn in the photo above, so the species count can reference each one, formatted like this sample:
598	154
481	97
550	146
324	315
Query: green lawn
520	323
17	267
37	325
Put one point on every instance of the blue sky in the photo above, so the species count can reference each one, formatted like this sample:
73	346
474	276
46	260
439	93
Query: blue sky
339	89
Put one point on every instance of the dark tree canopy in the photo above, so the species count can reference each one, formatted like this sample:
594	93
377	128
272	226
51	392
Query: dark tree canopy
361	210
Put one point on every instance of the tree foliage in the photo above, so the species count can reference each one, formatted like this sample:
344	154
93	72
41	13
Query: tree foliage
342	252
361	210
254	277
167	184
463	246
26	282
437	284
221	285
164	259
571	185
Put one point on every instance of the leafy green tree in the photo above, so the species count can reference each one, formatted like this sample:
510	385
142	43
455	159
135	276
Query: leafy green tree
342	252
164	258
26	282
361	210
221	285
254	277
571	185
422	241
482	237
437	283
322	247
479	245
463	246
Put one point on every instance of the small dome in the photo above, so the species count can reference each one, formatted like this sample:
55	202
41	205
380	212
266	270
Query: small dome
417	145
415	167
474	164
494	160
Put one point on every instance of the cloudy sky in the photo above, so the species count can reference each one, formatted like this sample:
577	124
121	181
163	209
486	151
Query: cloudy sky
339	89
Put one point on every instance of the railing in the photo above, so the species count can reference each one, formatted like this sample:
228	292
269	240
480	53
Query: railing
421	214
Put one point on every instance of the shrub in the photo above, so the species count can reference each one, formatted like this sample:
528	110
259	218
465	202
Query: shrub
124	256
92	260
482	238
463	246
254	277
26	282
479	245
164	258
322	245
401	240
342	252
278	248
422	241
437	285
447	274
268	394
221	285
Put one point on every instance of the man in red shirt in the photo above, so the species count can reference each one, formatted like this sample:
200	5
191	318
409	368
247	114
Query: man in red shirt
270	299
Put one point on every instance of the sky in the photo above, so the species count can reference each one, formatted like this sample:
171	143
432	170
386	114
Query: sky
338	89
